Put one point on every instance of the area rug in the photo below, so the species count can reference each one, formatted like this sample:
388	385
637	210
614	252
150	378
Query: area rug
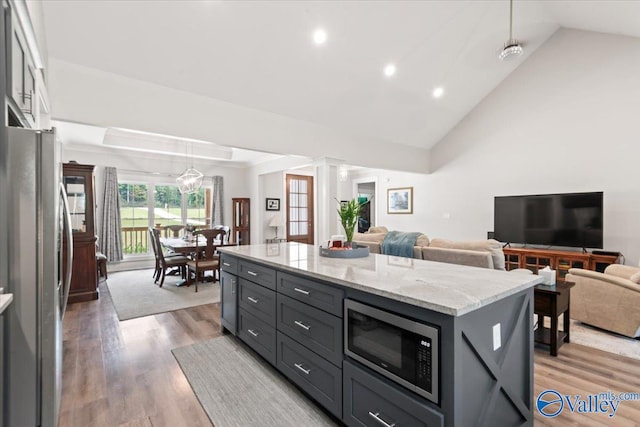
606	341
135	295
238	388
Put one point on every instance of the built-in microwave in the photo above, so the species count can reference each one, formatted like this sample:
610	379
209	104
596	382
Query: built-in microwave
401	349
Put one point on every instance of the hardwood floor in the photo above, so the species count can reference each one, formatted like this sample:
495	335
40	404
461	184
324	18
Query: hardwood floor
124	374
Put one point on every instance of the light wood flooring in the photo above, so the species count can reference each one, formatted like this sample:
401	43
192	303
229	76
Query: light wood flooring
124	374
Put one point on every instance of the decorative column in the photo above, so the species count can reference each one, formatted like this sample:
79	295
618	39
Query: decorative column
327	220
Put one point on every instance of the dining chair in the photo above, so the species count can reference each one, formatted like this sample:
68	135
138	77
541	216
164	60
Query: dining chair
164	262
173	230
205	258
226	230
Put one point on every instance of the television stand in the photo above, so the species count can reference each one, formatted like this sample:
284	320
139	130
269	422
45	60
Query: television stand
561	261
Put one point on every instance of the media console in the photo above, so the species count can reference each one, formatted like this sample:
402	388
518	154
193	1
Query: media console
288	306
561	261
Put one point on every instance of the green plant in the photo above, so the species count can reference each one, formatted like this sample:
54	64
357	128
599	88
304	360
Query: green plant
349	213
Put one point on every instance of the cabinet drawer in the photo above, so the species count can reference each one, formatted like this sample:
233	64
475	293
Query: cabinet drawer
313	328
370	401
317	294
259	274
319	378
258	335
229	264
259	301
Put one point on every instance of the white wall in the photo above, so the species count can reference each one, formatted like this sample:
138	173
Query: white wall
273	187
567	120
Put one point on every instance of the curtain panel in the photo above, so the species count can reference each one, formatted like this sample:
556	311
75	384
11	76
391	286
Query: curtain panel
110	238
216	202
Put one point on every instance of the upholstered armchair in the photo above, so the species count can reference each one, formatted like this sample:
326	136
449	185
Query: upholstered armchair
608	300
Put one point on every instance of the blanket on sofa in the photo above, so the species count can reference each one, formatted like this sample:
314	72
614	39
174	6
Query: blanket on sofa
399	243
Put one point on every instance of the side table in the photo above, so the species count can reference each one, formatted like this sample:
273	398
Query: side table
552	301
276	240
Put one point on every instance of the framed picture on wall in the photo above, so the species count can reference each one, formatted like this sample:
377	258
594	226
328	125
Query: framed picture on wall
273	204
400	200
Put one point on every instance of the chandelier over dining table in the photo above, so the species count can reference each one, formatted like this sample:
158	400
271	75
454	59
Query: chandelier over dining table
190	180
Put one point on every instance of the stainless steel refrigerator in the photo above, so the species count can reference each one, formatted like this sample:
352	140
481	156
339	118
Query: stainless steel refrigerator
34	232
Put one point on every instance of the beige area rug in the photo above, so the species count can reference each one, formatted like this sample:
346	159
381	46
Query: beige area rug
606	341
600	339
135	295
238	388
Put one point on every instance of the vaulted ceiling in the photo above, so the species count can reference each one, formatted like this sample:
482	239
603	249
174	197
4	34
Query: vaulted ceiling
261	54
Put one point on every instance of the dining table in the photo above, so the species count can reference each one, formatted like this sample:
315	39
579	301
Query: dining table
190	245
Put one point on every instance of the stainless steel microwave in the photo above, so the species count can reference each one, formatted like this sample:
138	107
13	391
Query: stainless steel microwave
401	349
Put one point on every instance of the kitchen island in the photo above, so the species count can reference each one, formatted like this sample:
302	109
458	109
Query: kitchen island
288	304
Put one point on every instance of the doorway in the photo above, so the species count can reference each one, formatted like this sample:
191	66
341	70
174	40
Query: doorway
365	191
300	208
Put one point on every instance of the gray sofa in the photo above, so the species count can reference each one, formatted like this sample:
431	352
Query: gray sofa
475	253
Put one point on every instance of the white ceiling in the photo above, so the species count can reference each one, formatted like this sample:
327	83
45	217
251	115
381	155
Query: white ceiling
261	54
126	142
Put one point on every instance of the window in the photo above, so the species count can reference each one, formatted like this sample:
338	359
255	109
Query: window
197	212
167	206
144	205
134	216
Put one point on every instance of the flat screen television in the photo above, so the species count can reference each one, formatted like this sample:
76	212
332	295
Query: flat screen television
571	219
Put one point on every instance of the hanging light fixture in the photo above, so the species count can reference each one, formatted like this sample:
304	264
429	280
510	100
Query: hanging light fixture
190	180
343	172
512	47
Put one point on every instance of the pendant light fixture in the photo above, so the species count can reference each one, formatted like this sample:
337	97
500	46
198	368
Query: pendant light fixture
190	180
512	48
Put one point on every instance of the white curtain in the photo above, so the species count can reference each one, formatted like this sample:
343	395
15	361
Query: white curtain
110	238
216	202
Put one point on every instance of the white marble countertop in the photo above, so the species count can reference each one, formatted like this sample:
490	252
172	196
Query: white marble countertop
446	288
5	300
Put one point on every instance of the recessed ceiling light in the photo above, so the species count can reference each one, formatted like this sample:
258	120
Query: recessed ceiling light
319	36
438	92
389	70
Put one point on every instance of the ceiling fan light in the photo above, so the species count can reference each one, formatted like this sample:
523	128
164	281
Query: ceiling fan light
511	50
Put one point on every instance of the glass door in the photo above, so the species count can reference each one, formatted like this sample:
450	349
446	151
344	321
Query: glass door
300	209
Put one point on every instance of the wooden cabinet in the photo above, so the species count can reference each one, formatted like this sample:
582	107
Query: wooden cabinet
79	184
241	224
561	261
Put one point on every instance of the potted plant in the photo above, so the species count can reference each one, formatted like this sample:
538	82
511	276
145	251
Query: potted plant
349	213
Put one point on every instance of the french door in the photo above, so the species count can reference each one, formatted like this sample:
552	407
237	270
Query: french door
300	208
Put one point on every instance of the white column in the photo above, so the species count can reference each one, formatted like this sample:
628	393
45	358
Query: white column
327	221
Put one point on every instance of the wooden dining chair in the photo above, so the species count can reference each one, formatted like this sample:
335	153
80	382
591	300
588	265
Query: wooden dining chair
164	262
205	258
173	230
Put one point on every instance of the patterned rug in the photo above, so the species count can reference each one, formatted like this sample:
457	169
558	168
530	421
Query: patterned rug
590	336
135	295
238	388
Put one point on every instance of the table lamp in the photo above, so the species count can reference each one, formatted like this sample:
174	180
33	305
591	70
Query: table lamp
275	222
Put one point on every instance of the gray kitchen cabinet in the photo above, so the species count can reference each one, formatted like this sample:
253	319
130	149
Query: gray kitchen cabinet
229	306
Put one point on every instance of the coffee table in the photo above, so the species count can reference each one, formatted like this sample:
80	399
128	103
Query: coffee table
552	301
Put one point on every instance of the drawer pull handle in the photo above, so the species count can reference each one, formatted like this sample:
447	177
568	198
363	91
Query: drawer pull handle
251	273
302	291
377	417
252	332
226	264
299	366
253	300
302	325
